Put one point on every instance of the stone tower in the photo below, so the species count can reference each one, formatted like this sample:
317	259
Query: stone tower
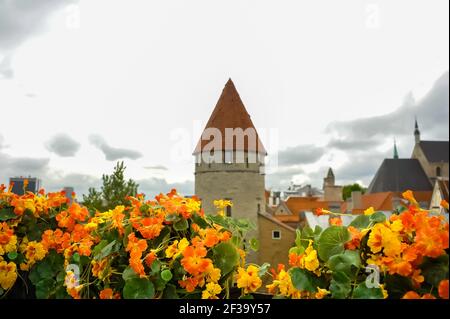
329	180
229	161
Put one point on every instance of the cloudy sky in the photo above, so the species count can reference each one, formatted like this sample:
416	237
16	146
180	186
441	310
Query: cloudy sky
327	83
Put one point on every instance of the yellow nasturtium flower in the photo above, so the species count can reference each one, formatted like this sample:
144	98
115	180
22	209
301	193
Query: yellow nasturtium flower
177	247
211	291
369	211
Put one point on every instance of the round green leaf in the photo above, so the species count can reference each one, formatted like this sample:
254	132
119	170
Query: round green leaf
138	288
225	257
166	275
181	225
378	217
360	222
364	292
332	240
129	273
303	279
7	214
254	244
12	255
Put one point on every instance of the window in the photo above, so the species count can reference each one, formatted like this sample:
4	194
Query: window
438	171
276	234
228	157
259	207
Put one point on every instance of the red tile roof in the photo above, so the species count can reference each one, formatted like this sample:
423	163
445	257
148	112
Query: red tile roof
230	112
300	204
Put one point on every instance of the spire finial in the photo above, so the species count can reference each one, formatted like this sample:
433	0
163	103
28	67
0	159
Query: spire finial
395	149
416	131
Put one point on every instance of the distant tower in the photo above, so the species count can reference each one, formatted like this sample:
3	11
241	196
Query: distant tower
416	132
395	150
230	164
329	179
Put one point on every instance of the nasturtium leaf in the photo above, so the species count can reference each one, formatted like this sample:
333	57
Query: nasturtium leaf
297	250
12	255
170	292
377	217
303	279
138	288
263	269
435	269
98	248
254	244
343	263
106	251
7	214
181	225
331	241
129	273
172	217
166	275
76	257
155	267
360	222
364	292
340	285
44	288
225	257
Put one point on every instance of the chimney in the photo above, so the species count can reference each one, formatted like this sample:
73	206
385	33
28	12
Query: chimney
357	200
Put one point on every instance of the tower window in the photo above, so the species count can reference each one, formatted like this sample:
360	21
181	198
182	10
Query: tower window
259	207
438	171
276	234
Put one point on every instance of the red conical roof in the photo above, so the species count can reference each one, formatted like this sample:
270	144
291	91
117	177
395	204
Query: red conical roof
230	112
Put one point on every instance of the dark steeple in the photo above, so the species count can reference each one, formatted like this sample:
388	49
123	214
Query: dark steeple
416	132
395	150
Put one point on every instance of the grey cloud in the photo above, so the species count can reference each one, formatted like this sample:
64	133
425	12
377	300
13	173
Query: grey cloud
113	153
21	166
301	154
156	167
282	176
21	19
63	145
432	112
354	143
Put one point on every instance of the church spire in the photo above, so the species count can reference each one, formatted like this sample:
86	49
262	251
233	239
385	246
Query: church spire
416	131
395	150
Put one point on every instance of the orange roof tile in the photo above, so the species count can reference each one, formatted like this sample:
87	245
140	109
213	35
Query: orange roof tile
299	204
230	112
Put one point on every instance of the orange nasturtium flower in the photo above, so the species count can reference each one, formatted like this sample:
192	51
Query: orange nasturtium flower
8	241
443	289
136	247
356	238
108	293
335	221
409	196
248	279
193	260
444	204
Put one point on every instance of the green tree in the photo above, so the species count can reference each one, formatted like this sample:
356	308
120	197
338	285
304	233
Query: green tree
114	191
348	189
